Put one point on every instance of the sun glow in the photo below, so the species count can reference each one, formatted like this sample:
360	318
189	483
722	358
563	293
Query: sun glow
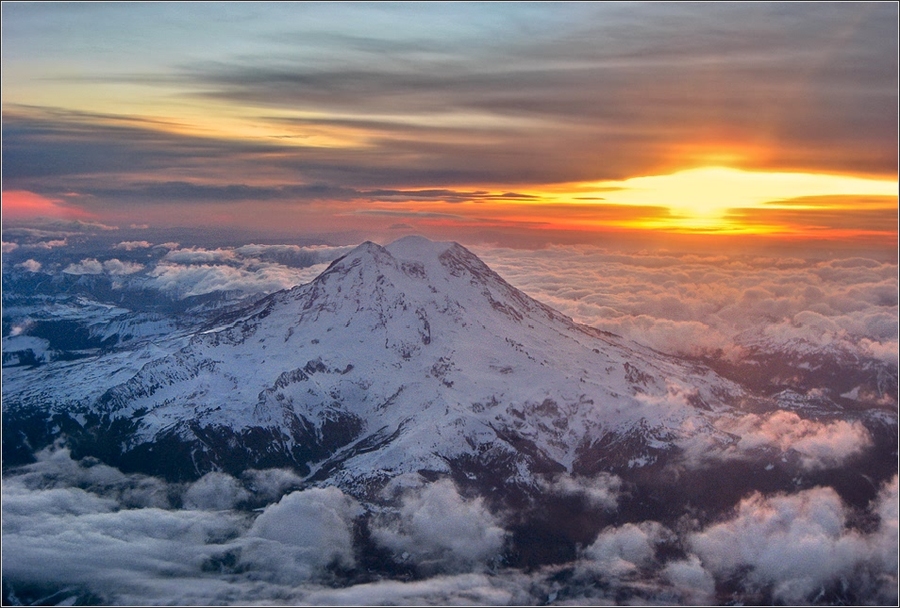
714	198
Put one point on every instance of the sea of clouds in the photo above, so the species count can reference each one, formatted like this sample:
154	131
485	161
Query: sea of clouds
685	303
182	271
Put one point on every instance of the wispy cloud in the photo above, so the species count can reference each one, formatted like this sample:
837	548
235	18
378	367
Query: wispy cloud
364	104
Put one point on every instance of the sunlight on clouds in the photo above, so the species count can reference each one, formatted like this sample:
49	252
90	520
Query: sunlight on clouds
19	204
699	199
244	124
797	544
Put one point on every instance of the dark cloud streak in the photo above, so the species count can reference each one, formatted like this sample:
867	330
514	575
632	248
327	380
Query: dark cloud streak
877	220
41	144
816	84
486	96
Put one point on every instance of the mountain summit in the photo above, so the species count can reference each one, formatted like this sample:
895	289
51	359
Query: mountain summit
414	357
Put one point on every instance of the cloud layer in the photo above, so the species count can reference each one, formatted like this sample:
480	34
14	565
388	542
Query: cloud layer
687	303
191	271
91	532
177	271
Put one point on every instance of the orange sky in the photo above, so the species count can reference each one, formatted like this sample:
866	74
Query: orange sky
731	119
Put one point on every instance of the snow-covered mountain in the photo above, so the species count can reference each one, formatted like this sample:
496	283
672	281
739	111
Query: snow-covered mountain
407	358
462	427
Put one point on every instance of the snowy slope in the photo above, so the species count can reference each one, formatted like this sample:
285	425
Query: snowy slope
415	356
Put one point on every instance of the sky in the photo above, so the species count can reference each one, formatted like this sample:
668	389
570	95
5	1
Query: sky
512	123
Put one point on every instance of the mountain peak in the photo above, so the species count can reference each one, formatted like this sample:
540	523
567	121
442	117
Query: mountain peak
417	248
409	249
418	258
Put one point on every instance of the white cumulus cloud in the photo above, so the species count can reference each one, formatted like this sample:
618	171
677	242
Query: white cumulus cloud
622	549
819	444
112	267
132	245
86	266
438	529
30	265
797	545
215	491
312	527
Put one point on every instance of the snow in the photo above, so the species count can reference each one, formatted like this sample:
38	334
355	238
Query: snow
434	354
38	346
416	248
852	394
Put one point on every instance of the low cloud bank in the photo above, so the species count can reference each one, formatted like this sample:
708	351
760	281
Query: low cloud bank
693	304
197	279
192	271
250	268
179	271
113	267
122	538
780	435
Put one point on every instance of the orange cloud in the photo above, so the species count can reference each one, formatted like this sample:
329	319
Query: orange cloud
21	204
